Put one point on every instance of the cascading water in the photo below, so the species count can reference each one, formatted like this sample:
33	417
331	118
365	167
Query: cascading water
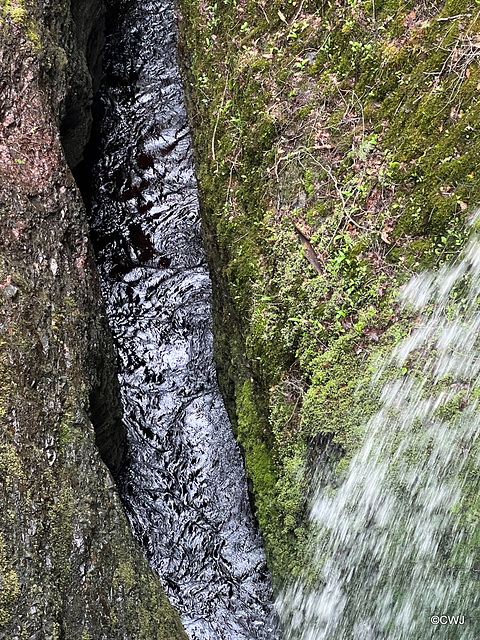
184	486
398	546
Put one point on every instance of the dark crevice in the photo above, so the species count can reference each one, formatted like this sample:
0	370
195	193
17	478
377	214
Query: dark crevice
84	75
110	434
79	112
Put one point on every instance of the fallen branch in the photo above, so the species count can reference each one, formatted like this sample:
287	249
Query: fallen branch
309	250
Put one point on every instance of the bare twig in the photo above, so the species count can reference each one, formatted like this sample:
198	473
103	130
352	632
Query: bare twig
340	194
294	409
263	11
298	13
460	15
218	118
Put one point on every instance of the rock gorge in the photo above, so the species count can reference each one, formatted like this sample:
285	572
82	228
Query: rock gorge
337	149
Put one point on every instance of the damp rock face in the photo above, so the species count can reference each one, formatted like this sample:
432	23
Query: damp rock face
69	566
331	167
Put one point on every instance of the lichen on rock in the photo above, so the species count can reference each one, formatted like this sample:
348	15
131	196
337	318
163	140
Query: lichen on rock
64	539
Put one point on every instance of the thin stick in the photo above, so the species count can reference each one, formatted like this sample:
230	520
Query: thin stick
218	118
298	13
460	15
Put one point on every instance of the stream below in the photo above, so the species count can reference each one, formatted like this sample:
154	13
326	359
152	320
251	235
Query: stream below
184	485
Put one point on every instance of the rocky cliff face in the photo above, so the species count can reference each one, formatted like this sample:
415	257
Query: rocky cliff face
69	567
337	150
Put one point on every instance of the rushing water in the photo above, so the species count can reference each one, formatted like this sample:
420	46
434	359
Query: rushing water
184	485
399	540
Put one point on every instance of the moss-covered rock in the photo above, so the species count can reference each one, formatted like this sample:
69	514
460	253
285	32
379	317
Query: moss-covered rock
69	566
336	151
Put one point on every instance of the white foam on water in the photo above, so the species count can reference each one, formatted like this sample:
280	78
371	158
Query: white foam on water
394	544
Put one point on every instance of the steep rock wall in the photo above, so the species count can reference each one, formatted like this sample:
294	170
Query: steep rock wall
337	145
69	567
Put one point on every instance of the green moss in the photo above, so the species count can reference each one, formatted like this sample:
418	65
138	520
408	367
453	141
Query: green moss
60	533
9	586
125	576
333	178
11	467
250	435
7	385
153	613
67	432
15	11
278	481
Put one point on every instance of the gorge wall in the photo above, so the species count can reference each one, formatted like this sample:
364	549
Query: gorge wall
337	145
69	566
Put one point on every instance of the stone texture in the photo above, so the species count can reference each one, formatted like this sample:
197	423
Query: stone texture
69	566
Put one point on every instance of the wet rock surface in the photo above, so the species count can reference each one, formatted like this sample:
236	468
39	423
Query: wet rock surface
184	484
69	566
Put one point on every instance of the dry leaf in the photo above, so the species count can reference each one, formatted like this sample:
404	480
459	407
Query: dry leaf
282	17
463	206
409	19
384	236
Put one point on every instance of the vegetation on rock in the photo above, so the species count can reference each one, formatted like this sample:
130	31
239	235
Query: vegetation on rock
337	145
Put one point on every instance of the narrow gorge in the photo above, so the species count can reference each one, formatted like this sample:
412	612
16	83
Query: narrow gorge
183	481
238	299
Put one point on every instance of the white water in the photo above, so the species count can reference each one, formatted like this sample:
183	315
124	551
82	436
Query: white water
398	540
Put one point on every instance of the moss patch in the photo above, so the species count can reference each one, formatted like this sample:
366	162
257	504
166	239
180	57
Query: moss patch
16	12
9	589
336	150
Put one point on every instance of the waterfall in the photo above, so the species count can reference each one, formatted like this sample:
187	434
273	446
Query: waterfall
183	485
397	545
